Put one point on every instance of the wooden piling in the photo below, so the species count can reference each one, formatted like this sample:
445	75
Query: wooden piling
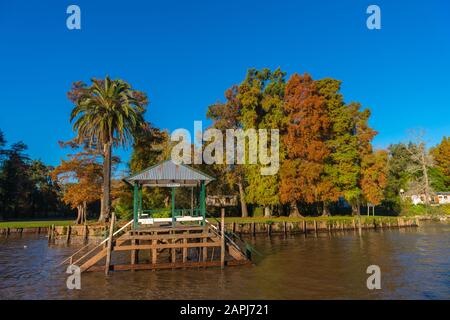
85	233
205	250
285	227
222	238
154	251
69	229
253	228
305	231
184	250
109	248
315	227
359	226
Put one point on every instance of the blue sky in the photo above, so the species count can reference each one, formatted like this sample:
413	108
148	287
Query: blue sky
184	54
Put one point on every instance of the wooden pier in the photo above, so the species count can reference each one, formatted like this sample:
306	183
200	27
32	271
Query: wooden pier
161	247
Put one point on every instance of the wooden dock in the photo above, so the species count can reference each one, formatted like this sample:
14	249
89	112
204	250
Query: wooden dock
161	247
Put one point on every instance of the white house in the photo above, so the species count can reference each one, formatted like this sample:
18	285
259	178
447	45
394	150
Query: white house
437	198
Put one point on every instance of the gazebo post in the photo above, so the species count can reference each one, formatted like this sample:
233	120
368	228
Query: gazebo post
135	205
173	206
203	202
141	187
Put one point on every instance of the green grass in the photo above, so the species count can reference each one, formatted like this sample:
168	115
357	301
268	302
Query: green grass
36	224
292	219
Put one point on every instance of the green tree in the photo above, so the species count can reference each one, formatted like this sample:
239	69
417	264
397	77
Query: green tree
225	116
15	182
261	97
107	113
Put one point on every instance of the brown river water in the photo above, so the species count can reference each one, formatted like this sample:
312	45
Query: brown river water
414	263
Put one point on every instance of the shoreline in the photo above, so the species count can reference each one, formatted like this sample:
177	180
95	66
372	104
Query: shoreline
241	226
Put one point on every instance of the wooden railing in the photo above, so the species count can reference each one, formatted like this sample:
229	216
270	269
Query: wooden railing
71	258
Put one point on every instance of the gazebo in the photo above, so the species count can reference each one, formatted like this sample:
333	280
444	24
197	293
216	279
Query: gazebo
170	175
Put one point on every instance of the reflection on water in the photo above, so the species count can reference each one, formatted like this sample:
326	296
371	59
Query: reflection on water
414	262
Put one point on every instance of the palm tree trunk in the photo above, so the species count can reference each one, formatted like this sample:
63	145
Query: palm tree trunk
244	209
104	214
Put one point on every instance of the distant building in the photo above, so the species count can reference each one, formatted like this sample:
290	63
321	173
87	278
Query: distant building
437	198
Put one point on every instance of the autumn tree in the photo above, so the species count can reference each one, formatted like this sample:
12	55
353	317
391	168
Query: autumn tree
440	173
374	176
308	126
81	178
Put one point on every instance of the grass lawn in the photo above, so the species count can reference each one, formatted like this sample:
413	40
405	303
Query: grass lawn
289	219
35	224
47	223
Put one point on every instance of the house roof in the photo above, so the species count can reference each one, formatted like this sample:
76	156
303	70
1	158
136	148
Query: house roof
169	174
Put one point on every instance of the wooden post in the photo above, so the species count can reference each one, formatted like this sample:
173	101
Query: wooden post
173	253
269	229
253	228
359	225
315	227
304	227
285	227
154	252
38	230
222	240
205	250
185	249
110	239
85	233
7	231
69	229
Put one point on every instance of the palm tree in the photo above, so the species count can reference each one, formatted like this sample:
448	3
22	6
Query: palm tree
107	114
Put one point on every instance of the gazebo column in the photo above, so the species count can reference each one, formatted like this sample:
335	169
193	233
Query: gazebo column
173	206
203	201
141	187
135	205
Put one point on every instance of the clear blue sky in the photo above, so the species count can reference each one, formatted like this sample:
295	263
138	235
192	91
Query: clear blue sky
184	54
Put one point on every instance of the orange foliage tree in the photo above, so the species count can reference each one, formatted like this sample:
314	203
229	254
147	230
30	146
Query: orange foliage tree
374	176
81	180
307	128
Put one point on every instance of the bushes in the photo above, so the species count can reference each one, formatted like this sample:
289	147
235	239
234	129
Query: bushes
421	209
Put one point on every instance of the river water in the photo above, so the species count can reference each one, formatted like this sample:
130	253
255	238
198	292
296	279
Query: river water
414	263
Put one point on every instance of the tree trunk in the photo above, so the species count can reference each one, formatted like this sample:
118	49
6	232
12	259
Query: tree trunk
84	217
107	150
325	210
244	209
267	212
79	214
425	177
355	209
294	212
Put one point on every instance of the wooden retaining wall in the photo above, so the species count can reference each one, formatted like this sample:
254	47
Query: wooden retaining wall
316	226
